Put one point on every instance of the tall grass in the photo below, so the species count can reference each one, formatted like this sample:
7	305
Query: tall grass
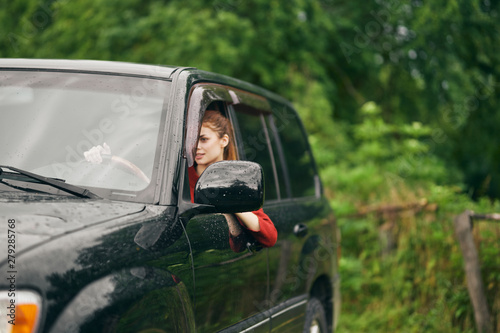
417	284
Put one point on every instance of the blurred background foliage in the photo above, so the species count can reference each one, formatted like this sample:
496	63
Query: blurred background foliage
401	101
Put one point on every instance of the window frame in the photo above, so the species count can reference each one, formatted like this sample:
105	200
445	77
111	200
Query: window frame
202	94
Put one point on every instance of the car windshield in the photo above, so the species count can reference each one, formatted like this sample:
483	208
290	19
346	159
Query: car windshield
49	119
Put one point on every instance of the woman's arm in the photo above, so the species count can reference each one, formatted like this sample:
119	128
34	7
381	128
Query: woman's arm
260	226
234	227
249	220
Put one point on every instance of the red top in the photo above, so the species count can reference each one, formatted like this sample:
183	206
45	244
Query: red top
266	236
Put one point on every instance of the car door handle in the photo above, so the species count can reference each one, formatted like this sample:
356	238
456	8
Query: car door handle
300	230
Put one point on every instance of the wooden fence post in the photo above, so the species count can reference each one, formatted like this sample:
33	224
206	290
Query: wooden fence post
463	230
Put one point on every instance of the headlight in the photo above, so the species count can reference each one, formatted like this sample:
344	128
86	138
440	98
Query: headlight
19	311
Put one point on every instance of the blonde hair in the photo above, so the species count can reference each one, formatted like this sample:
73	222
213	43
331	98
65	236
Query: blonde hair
221	125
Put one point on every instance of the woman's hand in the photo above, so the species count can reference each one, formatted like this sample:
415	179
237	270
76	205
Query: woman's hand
94	154
234	227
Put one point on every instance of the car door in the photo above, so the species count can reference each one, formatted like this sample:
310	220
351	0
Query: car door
231	278
304	248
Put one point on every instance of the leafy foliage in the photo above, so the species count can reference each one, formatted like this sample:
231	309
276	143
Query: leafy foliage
400	99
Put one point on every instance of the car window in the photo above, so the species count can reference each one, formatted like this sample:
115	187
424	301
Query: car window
279	159
296	154
57	116
201	96
254	142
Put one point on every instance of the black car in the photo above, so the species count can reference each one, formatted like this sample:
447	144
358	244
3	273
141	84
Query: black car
120	246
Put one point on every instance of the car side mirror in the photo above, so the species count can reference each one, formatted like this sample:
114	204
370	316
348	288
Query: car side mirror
231	186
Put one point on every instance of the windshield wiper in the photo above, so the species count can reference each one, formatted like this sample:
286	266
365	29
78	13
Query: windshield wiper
57	183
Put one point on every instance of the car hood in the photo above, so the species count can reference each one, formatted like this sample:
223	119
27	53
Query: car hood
39	221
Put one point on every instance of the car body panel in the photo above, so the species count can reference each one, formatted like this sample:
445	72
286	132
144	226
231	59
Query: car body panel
40	221
129	255
111	67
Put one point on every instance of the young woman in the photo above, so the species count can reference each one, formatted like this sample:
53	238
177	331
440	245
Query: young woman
216	144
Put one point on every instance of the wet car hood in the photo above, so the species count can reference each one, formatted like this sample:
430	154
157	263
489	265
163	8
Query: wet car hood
39	221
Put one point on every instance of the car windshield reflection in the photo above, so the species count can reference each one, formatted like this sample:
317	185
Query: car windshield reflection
52	118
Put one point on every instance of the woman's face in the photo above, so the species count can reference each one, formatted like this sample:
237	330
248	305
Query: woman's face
210	147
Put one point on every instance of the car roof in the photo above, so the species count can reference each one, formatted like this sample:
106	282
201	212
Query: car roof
131	69
95	66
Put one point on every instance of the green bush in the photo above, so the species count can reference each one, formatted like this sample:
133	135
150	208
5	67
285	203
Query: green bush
402	272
